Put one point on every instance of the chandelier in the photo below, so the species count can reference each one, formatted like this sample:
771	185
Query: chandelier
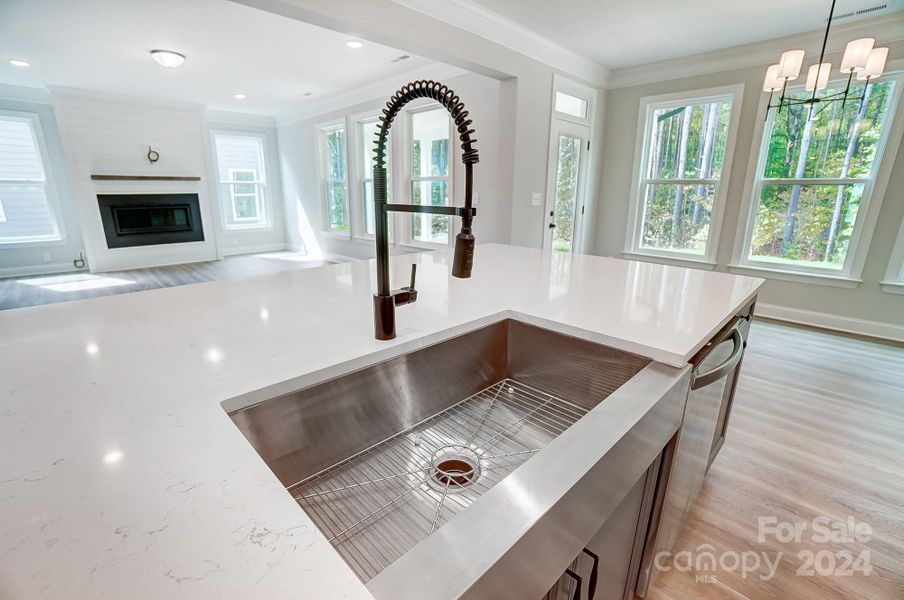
860	59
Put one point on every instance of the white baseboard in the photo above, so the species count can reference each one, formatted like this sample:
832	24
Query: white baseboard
876	329
41	269
256	249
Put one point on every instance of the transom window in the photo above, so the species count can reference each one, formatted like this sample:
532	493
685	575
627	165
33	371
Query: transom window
26	211
335	182
243	180
813	181
429	172
683	171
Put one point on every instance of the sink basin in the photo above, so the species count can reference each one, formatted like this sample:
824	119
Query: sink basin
383	457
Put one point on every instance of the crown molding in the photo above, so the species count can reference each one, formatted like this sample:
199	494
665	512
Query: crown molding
886	29
20	93
227	117
472	17
359	95
58	91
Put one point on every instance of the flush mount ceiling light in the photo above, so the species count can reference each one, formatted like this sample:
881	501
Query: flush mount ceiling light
353	44
239	96
860	58
168	58
22	64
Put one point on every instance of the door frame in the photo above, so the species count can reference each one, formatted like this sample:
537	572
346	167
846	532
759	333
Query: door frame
583	132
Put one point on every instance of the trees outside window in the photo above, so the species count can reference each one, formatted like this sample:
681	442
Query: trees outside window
682	173
813	178
335	183
429	172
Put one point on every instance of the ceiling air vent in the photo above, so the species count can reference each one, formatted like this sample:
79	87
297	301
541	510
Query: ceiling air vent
866	10
401	58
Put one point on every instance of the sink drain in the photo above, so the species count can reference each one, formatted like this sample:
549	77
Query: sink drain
453	468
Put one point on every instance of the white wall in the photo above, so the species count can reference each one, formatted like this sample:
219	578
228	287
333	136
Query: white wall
45	257
866	308
108	134
298	143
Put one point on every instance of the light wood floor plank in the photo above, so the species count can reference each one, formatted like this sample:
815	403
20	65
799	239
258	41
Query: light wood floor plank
817	430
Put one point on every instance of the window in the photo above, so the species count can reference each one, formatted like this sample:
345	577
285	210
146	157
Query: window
686	145
243	180
368	135
429	168
335	184
894	275
813	180
571	105
26	195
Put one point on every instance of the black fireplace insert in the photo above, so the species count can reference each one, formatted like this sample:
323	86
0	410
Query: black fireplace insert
149	219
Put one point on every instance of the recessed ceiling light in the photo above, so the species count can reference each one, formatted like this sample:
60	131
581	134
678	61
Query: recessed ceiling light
353	44
239	96
24	64
168	58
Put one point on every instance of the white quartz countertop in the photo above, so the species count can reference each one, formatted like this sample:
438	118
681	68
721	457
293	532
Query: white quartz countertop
121	475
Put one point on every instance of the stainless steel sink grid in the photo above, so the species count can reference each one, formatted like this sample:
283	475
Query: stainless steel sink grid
379	504
382	456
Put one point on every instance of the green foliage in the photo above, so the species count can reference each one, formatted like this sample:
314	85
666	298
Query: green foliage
812	223
566	191
687	142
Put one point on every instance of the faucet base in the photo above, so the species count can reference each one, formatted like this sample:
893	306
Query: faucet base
384	317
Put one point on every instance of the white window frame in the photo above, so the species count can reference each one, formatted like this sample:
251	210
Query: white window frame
323	161
849	275
257	195
406	236
50	190
732	94
893	283
363	152
264	208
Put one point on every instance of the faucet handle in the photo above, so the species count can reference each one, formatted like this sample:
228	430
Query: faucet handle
413	275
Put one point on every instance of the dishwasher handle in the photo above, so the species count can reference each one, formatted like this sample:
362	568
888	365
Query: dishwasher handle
700	380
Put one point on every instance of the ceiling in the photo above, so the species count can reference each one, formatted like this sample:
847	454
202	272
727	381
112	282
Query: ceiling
625	33
231	49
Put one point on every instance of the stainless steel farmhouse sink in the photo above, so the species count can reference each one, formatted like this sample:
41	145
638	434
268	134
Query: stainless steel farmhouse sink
384	457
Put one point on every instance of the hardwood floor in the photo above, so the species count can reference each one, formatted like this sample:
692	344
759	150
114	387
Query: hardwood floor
817	430
16	292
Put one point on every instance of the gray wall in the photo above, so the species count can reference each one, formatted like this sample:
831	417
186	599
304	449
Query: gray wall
48	257
866	302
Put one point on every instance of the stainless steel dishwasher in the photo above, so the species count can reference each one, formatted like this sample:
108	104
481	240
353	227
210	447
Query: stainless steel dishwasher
713	381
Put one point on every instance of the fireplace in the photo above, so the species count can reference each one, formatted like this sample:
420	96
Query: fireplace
150	219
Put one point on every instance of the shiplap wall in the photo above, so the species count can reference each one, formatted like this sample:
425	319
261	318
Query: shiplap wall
107	134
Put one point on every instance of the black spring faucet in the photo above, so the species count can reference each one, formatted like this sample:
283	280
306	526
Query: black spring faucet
385	300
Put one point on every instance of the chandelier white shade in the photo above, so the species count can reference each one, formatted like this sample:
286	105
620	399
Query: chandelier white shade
875	64
790	64
856	55
818	77
773	83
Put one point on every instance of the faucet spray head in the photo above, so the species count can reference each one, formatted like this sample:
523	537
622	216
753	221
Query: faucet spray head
463	258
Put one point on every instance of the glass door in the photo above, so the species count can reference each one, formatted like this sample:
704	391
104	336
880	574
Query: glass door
566	196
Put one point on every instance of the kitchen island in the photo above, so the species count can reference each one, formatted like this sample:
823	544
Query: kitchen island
123	476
